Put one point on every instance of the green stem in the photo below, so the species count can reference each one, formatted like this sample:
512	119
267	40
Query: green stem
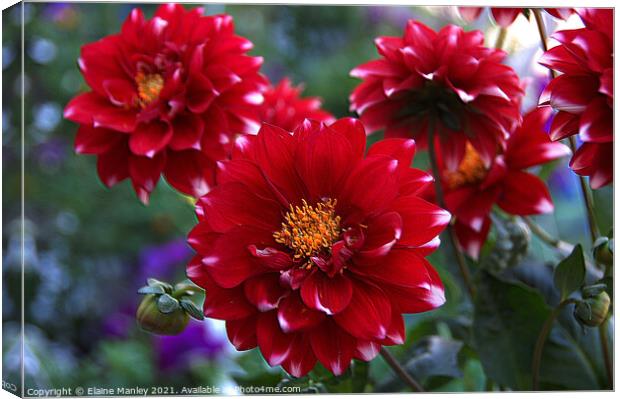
572	142
400	371
562	246
602	333
542	337
501	38
460	259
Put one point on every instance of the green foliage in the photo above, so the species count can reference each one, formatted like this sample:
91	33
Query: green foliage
570	273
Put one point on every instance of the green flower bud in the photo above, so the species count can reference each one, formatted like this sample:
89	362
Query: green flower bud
592	311
603	251
151	318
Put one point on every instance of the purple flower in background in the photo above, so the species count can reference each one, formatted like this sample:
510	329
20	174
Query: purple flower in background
64	14
119	323
161	261
200	340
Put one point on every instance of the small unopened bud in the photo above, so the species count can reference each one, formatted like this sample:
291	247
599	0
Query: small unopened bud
603	251
165	310
152	319
592	311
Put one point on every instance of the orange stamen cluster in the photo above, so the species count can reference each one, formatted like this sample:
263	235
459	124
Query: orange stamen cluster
309	229
471	170
149	87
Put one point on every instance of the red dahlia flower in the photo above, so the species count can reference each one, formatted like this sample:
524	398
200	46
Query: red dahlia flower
284	107
309	250
505	16
167	95
583	95
473	189
447	79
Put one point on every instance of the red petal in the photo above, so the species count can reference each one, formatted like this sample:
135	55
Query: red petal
91	109
382	233
274	344
529	145
564	124
572	93
293	315
368	315
187	132
242	333
333	347
150	138
230	262
145	172
371	186
524	194
190	172
470	14
271	257
225	304
414	181
234	204
422	221
395	334
301	359
327	294
366	350
264	291
471	241
323	160
121	92
403	150
354	131
596	123
96	140
505	16
113	165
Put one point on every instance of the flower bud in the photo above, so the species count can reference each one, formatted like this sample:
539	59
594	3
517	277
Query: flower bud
152	319
603	251
592	311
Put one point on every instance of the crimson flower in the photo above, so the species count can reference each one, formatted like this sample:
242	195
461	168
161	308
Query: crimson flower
473	189
505	16
284	107
167	95
309	250
446	79
583	94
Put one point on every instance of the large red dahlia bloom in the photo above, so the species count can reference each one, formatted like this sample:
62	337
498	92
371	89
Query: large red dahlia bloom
447	79
505	16
167	95
309	250
284	107
583	94
473	189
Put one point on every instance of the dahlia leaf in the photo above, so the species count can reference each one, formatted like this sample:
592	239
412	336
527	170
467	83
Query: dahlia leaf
191	309
167	304
570	273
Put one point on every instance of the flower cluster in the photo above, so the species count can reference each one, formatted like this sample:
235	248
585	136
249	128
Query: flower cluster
446	81
167	96
309	250
473	189
583	94
505	16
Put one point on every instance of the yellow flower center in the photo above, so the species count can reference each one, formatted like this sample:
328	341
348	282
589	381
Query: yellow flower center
471	170
308	230
149	87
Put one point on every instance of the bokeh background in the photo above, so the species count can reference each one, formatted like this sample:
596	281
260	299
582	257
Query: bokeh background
88	249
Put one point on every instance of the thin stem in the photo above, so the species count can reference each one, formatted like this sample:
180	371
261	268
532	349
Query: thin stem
572	142
541	233
460	259
602	333
540	342
400	370
501	38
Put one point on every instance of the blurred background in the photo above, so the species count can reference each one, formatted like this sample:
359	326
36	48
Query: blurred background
88	249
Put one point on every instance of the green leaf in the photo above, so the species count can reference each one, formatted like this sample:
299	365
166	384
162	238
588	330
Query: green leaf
508	317
155	289
570	273
192	309
167	304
